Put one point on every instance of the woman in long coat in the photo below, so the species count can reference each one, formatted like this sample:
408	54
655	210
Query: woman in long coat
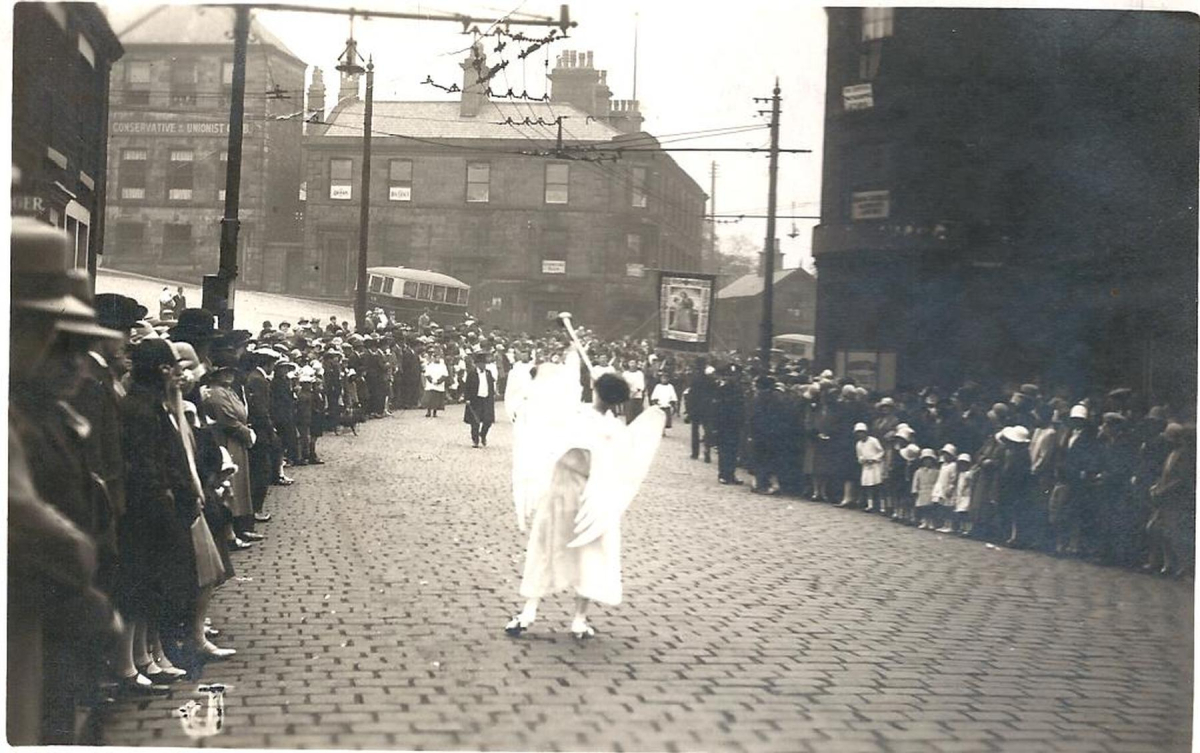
232	432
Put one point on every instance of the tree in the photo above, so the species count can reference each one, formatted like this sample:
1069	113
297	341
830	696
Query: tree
738	256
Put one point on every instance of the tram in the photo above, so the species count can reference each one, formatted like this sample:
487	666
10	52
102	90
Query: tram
404	293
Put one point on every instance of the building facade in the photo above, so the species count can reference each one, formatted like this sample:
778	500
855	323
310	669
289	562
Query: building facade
1010	195
168	149
738	318
456	188
62	54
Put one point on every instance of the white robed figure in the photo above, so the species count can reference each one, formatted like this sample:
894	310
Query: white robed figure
576	468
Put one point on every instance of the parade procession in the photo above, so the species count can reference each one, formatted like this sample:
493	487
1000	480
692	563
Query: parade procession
450	411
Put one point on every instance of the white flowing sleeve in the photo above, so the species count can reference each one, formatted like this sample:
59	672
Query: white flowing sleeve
621	459
543	432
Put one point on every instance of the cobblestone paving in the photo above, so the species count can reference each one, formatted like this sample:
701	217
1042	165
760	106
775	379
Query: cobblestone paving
373	618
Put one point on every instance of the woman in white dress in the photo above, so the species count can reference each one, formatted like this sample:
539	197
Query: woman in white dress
435	376
576	469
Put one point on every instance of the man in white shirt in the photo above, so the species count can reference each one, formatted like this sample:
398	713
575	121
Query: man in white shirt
665	397
479	393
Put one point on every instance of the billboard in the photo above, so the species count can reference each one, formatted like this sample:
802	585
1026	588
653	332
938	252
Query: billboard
685	310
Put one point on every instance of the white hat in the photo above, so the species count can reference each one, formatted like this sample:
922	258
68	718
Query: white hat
905	432
928	453
861	427
849	390
949	449
910	452
887	401
964	458
1017	434
827	374
1079	411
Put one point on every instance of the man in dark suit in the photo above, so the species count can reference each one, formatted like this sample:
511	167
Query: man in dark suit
728	417
701	393
479	391
258	408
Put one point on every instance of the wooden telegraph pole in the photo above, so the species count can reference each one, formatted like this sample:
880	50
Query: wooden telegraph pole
364	216
769	253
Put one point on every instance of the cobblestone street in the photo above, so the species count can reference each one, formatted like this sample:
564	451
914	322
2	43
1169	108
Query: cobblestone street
372	616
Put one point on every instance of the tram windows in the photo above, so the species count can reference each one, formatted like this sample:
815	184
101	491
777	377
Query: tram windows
388	284
425	292
439	293
376	284
410	289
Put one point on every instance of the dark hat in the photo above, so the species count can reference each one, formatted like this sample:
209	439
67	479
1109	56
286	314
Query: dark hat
1113	418
118	312
195	324
235	339
1121	393
152	353
43	280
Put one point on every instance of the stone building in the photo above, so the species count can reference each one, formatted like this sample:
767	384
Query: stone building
62	53
1010	195
169	128
476	189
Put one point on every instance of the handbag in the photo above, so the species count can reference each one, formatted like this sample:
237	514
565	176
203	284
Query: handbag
209	568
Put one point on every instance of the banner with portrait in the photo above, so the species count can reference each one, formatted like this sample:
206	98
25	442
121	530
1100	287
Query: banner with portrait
685	309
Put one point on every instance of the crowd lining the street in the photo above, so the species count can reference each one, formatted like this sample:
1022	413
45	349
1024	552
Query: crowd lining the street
142	453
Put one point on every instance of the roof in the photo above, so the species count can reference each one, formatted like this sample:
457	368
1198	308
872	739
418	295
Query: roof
748	286
442	120
190	24
419	275
795	338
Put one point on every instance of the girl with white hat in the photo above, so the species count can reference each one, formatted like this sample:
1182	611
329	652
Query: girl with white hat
870	456
922	487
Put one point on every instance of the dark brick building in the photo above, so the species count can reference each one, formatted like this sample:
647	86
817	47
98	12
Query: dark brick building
62	53
169	138
451	191
1010	194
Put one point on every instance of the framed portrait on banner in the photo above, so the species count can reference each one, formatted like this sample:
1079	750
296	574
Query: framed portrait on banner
685	305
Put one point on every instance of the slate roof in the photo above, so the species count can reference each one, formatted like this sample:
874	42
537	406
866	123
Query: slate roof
748	286
189	24
441	120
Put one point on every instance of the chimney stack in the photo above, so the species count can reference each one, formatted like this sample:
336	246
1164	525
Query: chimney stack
316	95
474	91
575	82
348	86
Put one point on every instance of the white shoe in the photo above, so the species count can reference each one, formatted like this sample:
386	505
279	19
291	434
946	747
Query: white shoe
581	629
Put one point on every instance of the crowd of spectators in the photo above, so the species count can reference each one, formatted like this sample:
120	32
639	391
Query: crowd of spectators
142	453
1101	476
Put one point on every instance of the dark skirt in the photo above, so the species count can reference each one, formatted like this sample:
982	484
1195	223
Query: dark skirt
434	400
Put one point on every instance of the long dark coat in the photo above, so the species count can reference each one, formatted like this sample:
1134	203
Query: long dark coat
482	408
161	505
231	431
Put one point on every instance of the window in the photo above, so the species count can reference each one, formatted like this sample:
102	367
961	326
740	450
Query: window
439	293
183	83
389	284
410	289
400	180
478	179
133	174
85	49
177	241
227	73
638	187
137	83
876	23
57	11
424	291
180	174
222	174
375	284
557	179
341	173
